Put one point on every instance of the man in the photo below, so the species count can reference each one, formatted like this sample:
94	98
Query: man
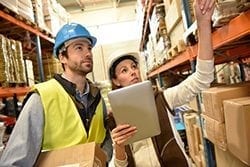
64	111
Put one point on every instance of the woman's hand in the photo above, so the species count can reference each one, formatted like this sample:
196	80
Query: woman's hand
122	133
204	10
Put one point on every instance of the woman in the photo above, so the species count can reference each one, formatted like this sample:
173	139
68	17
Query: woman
124	71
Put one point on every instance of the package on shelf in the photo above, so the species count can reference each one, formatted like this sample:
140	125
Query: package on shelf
173	15
4	61
12	5
194	138
213	98
228	73
160	52
235	73
51	66
222	73
19	60
246	69
38	11
54	15
25	9
227	159
10	56
215	131
157	15
245	5
175	29
225	11
150	51
30	72
237	121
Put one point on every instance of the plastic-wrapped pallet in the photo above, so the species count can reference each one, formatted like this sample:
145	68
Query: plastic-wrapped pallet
38	11
19	61
225	11
25	9
12	5
54	15
4	63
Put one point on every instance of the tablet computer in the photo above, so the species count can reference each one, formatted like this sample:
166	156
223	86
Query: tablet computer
135	105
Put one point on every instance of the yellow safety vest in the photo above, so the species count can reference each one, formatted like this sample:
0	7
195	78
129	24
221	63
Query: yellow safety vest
63	126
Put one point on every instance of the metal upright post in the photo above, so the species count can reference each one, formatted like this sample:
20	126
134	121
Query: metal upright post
208	146
39	58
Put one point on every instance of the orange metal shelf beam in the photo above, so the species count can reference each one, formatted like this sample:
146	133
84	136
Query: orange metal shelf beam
10	92
235	29
24	26
182	58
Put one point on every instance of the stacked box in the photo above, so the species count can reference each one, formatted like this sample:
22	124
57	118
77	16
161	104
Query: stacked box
4	63
25	9
246	70
38	11
11	62
175	28
228	73
19	61
54	15
213	113
237	119
213	98
227	159
215	131
225	11
12	5
30	72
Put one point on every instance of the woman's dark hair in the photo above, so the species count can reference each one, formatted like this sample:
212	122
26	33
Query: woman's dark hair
112	68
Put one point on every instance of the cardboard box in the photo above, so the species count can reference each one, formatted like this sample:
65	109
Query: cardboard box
213	99
227	159
83	155
215	132
237	120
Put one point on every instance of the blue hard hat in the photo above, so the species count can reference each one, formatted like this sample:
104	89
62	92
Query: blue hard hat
70	31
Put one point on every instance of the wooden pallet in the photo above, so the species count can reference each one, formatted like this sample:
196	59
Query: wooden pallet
176	49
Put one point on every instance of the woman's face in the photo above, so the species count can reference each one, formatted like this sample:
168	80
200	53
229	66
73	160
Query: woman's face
127	73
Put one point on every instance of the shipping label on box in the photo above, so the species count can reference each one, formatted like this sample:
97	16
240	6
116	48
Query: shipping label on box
237	120
83	155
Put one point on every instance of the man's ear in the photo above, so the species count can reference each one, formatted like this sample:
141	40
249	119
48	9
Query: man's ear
61	58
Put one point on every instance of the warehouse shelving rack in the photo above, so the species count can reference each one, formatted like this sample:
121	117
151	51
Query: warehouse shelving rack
230	42
19	28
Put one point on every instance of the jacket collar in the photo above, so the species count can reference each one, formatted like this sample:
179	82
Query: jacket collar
71	87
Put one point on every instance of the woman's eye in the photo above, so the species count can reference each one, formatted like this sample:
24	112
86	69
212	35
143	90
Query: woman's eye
124	70
134	66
